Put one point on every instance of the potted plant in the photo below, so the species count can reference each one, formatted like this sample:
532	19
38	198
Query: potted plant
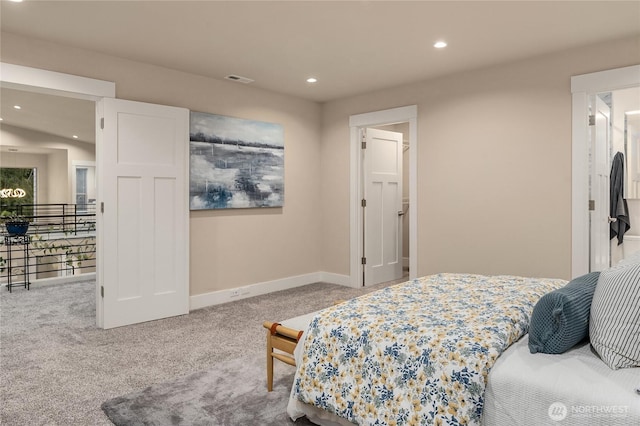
16	224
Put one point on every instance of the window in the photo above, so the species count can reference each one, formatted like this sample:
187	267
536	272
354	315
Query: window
81	188
18	187
84	185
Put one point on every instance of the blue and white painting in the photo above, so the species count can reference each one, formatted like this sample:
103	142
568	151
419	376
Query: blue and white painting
235	163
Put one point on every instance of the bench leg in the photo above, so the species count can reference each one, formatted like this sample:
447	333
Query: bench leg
269	363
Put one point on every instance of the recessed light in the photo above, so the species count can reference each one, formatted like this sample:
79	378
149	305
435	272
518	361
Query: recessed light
312	80
440	44
75	136
17	107
16	1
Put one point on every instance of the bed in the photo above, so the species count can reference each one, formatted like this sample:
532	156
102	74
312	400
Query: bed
525	388
421	352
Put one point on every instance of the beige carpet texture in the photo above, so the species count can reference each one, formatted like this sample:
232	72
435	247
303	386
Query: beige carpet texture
57	367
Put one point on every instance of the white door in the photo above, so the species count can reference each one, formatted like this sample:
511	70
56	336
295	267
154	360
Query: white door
142	160
382	159
600	172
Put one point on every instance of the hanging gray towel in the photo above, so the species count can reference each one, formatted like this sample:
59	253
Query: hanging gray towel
618	205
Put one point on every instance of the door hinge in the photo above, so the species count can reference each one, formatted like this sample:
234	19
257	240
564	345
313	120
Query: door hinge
102	207
363	203
592	120
102	123
102	291
364	139
364	260
592	205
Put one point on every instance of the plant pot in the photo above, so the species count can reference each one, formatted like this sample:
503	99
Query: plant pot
17	228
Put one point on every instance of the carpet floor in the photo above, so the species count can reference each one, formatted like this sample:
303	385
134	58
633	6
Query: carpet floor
231	393
58	368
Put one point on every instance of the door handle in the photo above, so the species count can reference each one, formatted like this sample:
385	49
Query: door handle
611	219
400	213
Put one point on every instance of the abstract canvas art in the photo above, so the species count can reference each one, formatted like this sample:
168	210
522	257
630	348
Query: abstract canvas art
235	163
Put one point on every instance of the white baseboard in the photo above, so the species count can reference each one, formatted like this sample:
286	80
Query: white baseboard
198	301
87	276
228	295
339	279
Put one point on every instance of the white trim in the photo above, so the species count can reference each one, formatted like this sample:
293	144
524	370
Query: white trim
54	83
376	118
387	116
604	81
83	163
45	282
199	301
580	187
331	278
42	282
581	87
99	226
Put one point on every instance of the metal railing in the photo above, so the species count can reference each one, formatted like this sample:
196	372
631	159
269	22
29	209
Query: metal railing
60	241
53	218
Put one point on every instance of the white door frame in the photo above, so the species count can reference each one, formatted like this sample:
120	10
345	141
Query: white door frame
54	83
581	87
377	118
71	86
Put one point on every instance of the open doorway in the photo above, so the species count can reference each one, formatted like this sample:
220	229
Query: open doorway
404	121
129	132
615	176
584	87
54	138
25	82
385	203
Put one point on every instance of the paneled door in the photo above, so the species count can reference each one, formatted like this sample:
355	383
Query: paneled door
143	218
382	206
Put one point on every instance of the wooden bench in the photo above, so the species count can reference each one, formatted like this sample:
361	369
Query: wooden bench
282	339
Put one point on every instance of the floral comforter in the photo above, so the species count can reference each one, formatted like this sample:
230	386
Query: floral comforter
417	353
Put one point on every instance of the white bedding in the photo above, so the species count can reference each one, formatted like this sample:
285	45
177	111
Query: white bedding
575	388
522	388
418	352
297	409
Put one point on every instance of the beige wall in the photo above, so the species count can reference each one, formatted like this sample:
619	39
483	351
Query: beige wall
494	164
228	248
56	172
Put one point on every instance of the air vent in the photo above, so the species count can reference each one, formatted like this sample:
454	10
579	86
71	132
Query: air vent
239	79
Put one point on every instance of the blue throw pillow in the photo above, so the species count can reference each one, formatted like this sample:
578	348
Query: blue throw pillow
560	319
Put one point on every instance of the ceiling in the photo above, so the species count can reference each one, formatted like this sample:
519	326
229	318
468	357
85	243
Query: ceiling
56	115
351	47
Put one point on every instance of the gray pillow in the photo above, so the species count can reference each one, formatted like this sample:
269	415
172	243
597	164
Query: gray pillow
560	319
614	328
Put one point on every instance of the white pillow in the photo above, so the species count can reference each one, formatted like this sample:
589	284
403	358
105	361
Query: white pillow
614	324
